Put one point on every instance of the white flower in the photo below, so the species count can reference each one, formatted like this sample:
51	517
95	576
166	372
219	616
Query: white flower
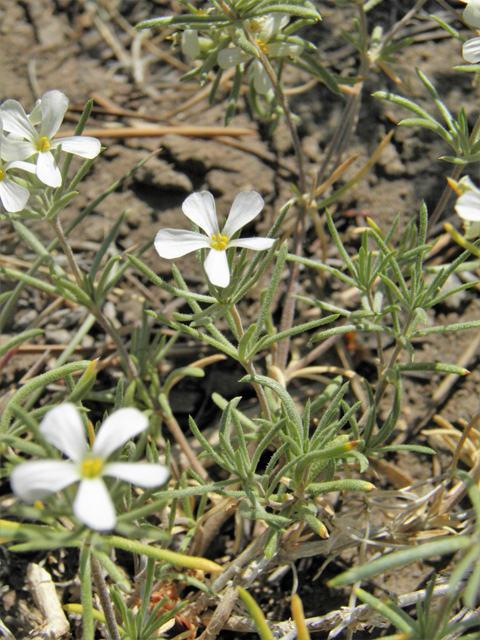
471	15
53	106
63	428
13	196
200	208
468	206
264	30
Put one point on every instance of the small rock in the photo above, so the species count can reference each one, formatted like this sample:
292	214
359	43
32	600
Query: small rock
26	318
57	336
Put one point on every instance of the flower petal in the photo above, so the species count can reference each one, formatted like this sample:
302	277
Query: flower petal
13	150
231	57
15	120
62	427
274	23
93	505
34	480
471	14
13	196
84	146
47	170
257	244
283	50
173	243
246	206
200	208
468	206
35	116
141	474
118	428
471	50
472	230
261	81
216	266
190	43
53	105
19	164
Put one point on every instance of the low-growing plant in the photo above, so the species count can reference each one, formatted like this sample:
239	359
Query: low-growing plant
275	467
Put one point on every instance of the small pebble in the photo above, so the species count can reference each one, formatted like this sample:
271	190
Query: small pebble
57	336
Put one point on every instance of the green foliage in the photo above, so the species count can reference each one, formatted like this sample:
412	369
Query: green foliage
278	466
456	133
244	26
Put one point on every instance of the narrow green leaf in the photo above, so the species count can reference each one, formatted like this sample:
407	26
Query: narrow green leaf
434	367
39	382
258	618
234	95
19	339
156	280
110	237
318	488
244	342
459	326
195	372
302	328
284	396
444	546
60	204
388	610
407	447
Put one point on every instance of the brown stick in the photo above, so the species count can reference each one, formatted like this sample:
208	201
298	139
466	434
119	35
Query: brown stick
154	130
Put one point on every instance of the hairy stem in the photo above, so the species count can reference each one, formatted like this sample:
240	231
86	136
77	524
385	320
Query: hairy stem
86	593
104	596
57	228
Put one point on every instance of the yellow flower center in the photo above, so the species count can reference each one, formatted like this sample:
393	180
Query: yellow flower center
43	144
2	175
91	468
256	24
219	242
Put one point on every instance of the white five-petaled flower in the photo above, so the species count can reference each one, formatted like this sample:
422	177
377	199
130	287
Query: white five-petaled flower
471	15
63	428
40	144
13	196
200	208
264	30
468	206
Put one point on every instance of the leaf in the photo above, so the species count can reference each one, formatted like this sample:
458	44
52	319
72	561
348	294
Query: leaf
447	545
18	339
318	488
434	367
284	396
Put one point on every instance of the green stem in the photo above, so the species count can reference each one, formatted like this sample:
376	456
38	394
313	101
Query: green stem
57	228
86	593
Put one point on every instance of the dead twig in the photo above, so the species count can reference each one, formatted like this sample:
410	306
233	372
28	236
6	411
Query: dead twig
148	131
45	596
